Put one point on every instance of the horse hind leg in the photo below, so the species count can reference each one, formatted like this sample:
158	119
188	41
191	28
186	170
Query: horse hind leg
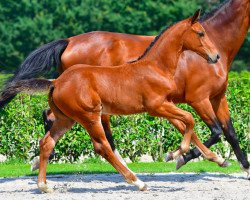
103	148
108	134
61	124
48	120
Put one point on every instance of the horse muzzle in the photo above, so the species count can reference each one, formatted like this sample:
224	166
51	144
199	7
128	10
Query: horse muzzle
213	59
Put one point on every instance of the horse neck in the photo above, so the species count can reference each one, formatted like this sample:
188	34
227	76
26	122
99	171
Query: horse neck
228	28
167	49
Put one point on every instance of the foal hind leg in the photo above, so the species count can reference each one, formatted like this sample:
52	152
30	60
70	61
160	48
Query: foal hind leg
47	143
48	120
93	125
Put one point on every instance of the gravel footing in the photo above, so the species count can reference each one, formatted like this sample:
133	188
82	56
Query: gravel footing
112	186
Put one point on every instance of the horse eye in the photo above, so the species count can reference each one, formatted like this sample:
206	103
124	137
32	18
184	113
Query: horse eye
201	34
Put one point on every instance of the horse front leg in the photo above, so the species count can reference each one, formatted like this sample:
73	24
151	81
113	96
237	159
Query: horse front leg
108	133
184	122
205	110
222	111
47	143
102	147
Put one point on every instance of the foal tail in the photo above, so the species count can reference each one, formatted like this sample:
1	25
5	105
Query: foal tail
38	63
26	86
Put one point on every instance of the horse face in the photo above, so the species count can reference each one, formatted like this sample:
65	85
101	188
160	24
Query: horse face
196	39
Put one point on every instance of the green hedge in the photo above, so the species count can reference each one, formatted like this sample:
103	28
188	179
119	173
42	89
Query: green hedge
21	127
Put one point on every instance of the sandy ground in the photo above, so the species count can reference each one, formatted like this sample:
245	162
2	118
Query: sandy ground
112	186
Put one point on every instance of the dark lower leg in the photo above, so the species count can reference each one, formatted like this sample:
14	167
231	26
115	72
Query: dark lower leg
231	137
215	137
107	130
48	120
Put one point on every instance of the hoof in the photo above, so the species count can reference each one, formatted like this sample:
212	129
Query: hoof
140	184
43	187
169	156
179	162
35	163
246	170
144	188
225	164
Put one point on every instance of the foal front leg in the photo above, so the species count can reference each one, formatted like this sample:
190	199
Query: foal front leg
184	122
205	110
171	112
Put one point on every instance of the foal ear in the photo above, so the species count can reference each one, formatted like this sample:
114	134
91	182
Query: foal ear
196	16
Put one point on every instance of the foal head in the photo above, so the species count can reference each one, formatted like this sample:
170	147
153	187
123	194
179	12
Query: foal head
196	39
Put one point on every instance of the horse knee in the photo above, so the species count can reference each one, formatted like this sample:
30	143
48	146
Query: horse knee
189	120
46	145
185	148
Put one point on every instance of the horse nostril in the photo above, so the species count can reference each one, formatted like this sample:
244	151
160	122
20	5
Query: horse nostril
218	56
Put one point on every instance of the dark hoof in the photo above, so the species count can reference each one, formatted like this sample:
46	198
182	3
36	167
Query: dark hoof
179	162
169	156
225	164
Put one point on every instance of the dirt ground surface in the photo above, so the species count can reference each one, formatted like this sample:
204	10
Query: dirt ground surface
112	186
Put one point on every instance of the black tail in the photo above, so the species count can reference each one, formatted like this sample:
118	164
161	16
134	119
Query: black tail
27	86
39	62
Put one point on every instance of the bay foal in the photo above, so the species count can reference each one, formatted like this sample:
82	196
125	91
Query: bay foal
83	93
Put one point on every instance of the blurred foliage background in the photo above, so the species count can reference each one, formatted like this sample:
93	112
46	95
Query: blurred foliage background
135	135
27	24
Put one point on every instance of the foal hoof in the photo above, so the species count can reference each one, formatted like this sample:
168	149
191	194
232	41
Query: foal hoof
43	187
180	162
140	184
169	156
35	163
225	164
144	188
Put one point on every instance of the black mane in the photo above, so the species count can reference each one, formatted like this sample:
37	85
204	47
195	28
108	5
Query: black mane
151	44
211	14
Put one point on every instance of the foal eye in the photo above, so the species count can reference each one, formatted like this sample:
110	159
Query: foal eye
201	34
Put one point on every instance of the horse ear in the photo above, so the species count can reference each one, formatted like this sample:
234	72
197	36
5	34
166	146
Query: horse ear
196	16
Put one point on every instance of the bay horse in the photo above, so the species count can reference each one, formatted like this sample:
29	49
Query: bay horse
227	26
83	93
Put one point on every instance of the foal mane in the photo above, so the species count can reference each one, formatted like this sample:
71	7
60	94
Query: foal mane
152	44
212	13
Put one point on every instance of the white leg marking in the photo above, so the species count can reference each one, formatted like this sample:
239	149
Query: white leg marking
120	158
35	163
246	170
140	184
43	187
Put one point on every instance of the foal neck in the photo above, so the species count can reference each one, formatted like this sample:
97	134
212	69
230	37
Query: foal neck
167	48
